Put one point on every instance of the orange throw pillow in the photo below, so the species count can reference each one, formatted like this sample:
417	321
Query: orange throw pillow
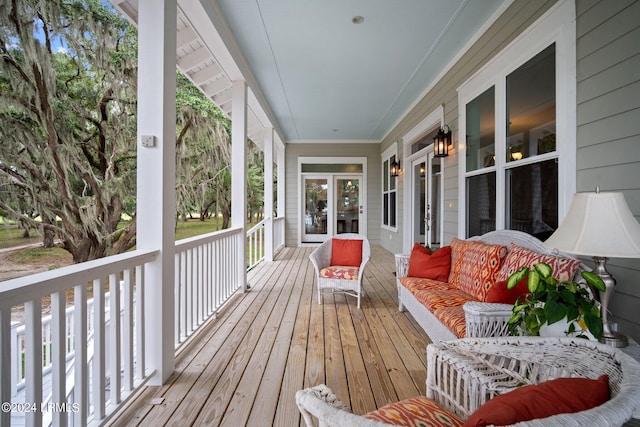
346	252
499	293
430	265
559	396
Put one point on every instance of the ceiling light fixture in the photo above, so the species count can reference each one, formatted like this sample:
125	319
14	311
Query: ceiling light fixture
357	19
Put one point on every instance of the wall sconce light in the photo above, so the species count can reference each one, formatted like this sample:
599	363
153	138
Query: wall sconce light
423	170
395	168
441	142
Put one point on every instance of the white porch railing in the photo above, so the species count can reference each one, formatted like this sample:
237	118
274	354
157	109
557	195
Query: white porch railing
278	233
49	342
65	341
206	275
255	244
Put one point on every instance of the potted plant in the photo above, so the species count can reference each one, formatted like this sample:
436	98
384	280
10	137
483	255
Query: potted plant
551	300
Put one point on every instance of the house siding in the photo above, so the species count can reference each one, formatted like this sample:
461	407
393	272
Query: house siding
608	118
608	126
374	183
515	19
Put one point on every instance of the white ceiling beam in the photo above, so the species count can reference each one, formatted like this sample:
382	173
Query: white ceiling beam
226	108
185	36
207	73
194	58
215	87
222	97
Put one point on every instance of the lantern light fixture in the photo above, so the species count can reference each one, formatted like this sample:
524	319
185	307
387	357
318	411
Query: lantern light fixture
395	168
441	142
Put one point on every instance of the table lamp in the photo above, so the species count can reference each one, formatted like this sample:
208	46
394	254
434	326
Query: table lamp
600	225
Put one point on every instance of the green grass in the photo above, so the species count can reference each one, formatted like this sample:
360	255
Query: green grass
12	236
195	227
32	255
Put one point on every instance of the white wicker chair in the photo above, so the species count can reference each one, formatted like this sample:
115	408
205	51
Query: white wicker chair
463	374
321	258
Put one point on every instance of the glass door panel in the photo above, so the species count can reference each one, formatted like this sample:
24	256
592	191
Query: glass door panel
348	206
419	201
316	192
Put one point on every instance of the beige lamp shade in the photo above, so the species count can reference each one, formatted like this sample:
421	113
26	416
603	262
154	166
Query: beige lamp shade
598	224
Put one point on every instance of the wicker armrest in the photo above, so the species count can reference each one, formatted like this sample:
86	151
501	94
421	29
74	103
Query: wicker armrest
486	319
402	265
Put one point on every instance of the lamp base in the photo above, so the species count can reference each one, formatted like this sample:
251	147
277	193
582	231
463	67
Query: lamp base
615	339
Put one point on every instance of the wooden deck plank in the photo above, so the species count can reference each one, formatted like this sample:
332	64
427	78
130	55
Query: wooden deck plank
293	379
246	392
209	393
244	367
270	387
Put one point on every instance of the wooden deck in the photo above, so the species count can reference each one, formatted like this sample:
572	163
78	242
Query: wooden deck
244	367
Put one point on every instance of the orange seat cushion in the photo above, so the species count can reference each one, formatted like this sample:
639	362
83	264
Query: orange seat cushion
340	272
453	318
419	284
415	412
346	252
433	299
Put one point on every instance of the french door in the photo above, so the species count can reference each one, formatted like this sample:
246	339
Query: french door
426	195
332	205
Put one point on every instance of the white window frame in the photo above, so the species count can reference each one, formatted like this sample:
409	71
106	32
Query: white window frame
386	157
557	26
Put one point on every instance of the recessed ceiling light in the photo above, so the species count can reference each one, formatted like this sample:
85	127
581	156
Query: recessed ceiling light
357	19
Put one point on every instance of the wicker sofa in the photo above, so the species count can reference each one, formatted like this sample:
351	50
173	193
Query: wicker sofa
464	374
460	309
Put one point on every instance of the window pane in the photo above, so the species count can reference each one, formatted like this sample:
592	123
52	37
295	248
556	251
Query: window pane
332	167
392	209
385	208
385	175
481	131
392	180
531	108
481	204
532	203
423	142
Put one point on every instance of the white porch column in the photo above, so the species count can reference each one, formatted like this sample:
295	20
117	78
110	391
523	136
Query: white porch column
281	184
239	172
156	200
268	194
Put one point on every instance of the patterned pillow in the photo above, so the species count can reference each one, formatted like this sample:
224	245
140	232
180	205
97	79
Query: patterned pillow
417	411
475	266
518	257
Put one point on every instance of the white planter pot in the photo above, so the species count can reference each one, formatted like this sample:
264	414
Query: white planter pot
560	328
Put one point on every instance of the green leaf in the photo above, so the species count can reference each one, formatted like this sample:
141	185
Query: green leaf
594	280
533	281
516	277
543	269
554	311
572	313
594	324
567	296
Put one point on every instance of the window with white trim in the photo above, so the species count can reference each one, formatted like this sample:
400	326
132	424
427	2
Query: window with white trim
389	189
518	158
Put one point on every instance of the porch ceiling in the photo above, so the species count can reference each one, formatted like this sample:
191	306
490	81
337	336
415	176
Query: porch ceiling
313	74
